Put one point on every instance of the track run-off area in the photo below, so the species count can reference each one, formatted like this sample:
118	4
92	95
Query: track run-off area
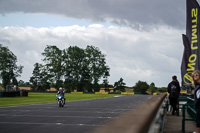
75	117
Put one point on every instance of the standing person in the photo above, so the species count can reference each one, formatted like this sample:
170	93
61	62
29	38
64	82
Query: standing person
196	84
174	91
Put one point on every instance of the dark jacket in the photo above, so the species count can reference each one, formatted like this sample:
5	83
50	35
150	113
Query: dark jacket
197	96
61	92
174	89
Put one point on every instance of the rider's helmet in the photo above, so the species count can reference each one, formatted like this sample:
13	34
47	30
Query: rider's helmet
60	89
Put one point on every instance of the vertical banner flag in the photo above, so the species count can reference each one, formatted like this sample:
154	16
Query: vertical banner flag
191	55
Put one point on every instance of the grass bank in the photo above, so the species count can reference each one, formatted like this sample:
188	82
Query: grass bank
39	98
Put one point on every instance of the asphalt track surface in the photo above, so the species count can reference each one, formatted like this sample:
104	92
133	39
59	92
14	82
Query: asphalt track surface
74	117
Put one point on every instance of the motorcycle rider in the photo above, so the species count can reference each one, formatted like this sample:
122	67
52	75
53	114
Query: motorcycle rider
61	91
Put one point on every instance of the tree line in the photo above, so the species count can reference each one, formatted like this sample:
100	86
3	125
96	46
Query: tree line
73	68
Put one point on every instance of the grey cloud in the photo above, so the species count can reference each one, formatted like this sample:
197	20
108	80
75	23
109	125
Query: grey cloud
131	54
132	13
4	41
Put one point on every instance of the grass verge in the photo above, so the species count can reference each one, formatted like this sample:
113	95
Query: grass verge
39	98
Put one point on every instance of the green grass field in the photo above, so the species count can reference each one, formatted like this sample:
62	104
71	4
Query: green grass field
38	98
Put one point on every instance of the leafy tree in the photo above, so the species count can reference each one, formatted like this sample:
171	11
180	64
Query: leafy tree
74	67
120	85
21	82
152	88
9	70
14	81
96	63
141	87
85	79
84	68
27	83
37	77
39	80
162	89
53	58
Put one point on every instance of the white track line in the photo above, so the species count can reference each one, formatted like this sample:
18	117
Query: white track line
60	124
86	117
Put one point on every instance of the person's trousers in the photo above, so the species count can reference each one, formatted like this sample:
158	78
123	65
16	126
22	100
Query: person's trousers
173	103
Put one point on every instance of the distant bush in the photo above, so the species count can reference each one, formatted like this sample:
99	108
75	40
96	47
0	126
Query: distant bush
141	87
162	89
24	85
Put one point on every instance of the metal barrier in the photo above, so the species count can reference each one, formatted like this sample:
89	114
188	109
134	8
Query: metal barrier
158	124
181	101
146	118
190	107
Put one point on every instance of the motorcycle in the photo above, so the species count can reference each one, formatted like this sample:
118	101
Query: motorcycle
61	100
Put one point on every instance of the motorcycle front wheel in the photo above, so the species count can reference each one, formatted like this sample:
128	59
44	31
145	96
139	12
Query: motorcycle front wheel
60	104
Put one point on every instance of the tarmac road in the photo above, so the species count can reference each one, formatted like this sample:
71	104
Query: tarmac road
75	117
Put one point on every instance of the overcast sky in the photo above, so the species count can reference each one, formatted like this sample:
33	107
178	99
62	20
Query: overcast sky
142	40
